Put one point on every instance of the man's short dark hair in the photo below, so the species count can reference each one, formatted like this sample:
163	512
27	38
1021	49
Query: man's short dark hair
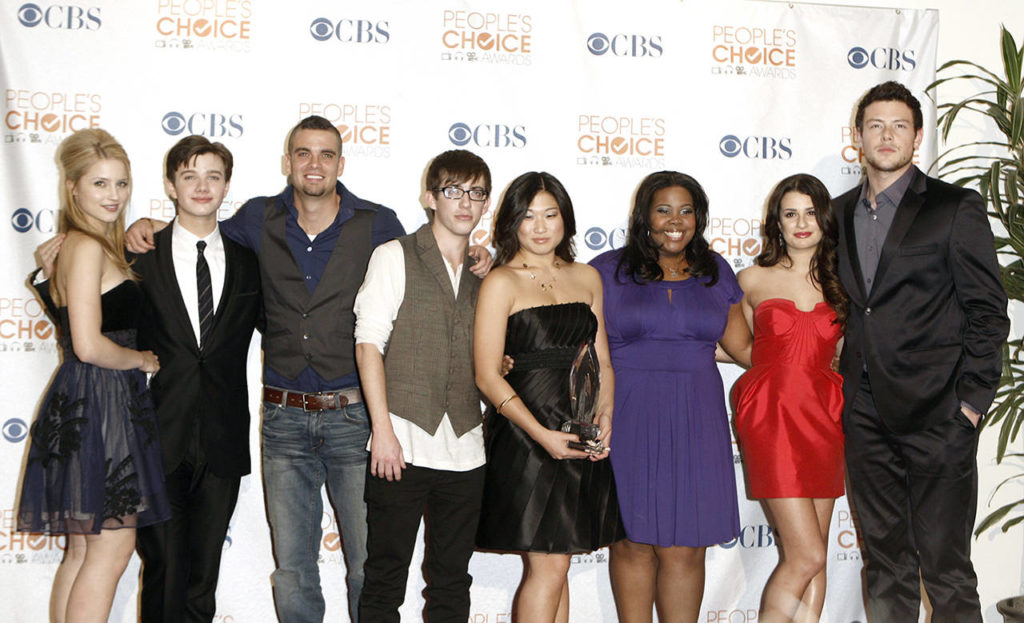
456	166
314	122
191	147
890	91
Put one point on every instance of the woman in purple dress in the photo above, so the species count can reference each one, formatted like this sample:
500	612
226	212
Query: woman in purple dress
668	301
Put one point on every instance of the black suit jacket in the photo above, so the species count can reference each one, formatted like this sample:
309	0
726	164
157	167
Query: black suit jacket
208	383
931	330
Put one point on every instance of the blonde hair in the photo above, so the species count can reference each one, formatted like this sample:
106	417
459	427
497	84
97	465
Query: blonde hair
76	154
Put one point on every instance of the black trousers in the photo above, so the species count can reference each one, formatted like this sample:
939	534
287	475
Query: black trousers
449	503
181	557
915	495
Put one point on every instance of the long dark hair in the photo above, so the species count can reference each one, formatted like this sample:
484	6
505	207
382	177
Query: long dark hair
512	211
823	270
639	257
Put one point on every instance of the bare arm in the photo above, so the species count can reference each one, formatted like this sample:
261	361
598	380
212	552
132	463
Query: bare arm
82	270
606	397
492	309
386	460
737	341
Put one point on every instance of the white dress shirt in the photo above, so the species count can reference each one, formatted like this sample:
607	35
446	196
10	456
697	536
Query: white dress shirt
376	308
185	255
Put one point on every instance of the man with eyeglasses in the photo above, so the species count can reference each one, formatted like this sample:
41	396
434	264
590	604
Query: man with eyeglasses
414	327
312	242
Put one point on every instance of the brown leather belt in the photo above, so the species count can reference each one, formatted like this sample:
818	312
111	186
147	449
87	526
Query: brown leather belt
319	401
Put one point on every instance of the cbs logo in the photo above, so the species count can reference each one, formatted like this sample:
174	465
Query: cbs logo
59	16
882	58
23	220
597	238
15	430
487	135
756	147
206	124
350	30
600	44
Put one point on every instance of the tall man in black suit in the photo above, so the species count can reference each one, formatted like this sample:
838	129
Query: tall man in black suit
202	303
920	365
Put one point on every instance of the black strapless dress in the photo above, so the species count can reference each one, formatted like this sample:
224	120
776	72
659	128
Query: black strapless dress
533	502
94	460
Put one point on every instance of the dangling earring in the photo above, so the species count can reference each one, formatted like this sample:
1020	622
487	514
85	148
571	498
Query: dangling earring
782	240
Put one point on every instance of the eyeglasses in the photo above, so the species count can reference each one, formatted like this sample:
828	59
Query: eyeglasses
454	192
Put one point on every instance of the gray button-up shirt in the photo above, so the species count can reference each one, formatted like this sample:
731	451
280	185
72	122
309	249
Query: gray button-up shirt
871	225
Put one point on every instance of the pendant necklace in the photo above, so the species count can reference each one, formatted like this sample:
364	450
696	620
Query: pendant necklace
544	285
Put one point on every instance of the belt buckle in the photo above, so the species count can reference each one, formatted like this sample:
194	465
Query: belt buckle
319	406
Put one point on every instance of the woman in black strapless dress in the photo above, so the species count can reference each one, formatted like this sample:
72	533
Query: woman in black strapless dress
541	498
94	470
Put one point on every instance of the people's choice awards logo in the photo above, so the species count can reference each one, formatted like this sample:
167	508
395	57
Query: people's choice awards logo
632	45
474	36
739	240
753	51
624	141
487	135
892	59
207	24
365	127
45	116
24	326
350	30
59	16
209	124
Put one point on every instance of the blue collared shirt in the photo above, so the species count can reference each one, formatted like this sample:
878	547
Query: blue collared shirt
311	256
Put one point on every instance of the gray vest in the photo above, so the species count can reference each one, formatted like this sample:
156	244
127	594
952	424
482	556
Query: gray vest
429	359
315	329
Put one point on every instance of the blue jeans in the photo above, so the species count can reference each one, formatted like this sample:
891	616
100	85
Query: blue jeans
302	452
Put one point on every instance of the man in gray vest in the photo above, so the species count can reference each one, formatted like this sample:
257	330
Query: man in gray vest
313	242
414	348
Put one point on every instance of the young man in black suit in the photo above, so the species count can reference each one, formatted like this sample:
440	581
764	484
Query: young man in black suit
921	362
202	303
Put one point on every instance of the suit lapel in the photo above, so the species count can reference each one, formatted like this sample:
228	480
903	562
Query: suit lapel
851	246
229	284
165	265
906	212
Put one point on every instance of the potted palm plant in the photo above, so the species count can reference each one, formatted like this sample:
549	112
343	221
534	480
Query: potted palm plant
996	169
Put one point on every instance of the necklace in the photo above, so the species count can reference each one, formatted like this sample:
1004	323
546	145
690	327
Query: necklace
676	271
544	285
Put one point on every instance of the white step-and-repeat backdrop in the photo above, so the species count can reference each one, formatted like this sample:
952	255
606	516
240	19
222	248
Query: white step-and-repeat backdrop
598	93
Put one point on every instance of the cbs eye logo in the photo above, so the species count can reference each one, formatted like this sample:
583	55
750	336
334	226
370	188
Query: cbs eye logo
487	135
58	16
633	45
882	58
23	221
15	430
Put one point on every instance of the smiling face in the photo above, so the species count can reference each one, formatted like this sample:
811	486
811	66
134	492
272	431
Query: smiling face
673	220
457	216
102	192
542	228
199	186
798	222
314	163
887	136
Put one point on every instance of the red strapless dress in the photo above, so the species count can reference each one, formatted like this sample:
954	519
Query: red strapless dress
788	405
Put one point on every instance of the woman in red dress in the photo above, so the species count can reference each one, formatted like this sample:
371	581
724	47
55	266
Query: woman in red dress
788	404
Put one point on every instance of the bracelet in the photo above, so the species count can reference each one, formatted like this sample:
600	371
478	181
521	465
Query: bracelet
506	401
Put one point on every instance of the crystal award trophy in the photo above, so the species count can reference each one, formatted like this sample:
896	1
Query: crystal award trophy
584	382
